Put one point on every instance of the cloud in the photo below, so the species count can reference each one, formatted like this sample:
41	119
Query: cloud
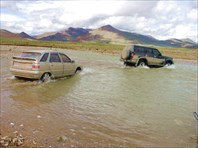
160	19
192	15
10	18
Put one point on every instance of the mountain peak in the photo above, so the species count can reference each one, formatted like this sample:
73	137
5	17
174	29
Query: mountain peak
74	32
109	28
25	35
188	40
3	30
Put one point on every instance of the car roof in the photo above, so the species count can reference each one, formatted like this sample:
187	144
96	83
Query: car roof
131	46
41	51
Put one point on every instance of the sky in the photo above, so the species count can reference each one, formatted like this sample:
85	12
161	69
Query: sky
160	19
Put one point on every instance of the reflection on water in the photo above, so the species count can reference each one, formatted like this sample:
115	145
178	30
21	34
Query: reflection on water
105	105
35	93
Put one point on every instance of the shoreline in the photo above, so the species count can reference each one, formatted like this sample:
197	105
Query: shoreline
14	49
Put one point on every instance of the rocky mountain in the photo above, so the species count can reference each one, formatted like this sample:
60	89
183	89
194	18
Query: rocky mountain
26	36
112	34
104	34
8	34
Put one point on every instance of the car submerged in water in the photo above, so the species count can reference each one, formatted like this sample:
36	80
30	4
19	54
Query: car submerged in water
43	64
144	56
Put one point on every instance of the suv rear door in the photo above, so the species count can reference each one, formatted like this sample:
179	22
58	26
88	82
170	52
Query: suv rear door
145	52
149	55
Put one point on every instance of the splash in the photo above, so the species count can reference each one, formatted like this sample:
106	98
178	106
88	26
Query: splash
49	80
145	67
12	78
170	66
86	70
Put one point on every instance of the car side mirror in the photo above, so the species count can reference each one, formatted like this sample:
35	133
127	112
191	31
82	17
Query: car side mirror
72	61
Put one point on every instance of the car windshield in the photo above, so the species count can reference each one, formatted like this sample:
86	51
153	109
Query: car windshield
33	55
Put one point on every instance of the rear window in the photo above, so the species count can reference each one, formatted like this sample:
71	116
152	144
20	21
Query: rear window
33	55
44	58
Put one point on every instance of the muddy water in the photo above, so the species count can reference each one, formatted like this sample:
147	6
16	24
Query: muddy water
105	105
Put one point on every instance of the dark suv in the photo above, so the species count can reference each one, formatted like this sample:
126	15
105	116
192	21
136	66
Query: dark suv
141	56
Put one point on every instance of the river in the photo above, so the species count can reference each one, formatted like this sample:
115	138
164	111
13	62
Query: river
104	105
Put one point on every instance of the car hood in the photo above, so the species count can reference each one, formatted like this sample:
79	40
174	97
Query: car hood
166	57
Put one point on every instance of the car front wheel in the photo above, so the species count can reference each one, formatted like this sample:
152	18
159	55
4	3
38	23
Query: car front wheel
168	63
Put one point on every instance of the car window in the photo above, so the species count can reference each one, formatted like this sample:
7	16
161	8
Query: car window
44	58
149	52
156	52
54	57
139	50
65	58
33	55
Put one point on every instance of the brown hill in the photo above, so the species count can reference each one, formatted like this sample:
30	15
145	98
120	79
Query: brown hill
8	34
104	34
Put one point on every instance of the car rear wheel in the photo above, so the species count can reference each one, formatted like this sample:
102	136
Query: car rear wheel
46	77
142	63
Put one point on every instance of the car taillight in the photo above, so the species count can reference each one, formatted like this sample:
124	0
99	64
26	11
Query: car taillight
35	66
132	55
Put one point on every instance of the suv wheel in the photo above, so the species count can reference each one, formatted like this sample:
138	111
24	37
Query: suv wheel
142	63
168	63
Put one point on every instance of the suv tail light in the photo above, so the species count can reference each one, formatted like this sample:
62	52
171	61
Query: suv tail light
35	66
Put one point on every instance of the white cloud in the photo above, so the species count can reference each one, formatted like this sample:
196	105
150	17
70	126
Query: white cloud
166	7
160	19
181	31
193	15
10	18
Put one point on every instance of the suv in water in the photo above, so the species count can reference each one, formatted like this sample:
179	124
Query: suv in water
144	56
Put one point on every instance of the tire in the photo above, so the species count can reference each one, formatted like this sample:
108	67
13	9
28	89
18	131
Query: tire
45	77
142	63
125	63
168	63
78	69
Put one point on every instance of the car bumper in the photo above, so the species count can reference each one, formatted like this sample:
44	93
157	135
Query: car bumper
26	73
131	61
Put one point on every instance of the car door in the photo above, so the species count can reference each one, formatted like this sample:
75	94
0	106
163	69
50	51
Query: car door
56	66
149	55
68	65
158	59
